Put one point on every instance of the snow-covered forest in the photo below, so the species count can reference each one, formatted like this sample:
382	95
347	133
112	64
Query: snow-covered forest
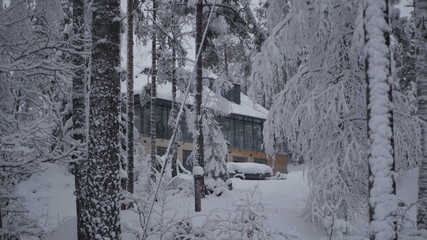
213	119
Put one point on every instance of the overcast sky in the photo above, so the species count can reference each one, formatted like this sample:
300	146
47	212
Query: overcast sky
405	11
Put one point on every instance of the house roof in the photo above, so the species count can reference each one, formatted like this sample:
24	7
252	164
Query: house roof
247	107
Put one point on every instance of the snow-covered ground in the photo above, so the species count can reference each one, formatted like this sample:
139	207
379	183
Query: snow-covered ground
50	200
50	196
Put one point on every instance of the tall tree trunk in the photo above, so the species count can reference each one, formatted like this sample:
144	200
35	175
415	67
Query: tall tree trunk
421	52
103	178
174	154
153	102
79	116
198	127
225	60
130	102
382	186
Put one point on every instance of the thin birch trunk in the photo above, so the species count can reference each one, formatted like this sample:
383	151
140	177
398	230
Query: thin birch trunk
153	102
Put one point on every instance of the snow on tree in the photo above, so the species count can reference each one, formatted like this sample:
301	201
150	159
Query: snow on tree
382	185
269	69
153	94
130	102
404	49
79	113
407	128
215	147
233	37
421	76
172	18
34	114
321	112
103	165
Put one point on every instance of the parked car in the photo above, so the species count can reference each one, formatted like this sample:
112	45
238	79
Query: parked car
248	170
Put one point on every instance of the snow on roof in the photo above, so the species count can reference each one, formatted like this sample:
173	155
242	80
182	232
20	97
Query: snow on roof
247	107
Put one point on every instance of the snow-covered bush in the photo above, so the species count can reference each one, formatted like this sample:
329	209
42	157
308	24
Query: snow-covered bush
17	223
216	186
249	221
246	221
185	230
184	184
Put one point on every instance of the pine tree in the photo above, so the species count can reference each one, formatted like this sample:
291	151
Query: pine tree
215	147
103	180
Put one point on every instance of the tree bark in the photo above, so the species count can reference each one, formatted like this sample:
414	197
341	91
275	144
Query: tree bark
103	179
153	102
225	60
174	154
130	103
382	185
79	116
198	193
421	52
198	146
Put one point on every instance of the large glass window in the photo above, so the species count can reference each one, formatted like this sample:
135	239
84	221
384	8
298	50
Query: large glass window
146	121
228	130
243	132
186	134
162	122
257	136
240	133
188	163
137	117
249	135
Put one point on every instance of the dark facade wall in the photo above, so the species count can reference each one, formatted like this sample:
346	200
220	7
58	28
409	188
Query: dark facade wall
242	132
279	162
